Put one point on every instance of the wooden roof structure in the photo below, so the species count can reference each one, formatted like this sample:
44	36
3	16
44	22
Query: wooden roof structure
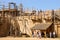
42	26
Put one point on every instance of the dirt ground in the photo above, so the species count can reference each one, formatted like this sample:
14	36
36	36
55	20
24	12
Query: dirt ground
19	38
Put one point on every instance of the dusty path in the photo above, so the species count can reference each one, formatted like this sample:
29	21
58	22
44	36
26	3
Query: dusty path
19	38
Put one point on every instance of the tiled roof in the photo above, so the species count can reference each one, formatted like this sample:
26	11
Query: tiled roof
42	26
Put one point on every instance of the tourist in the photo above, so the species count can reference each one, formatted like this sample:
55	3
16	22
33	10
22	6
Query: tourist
50	34
37	34
40	34
32	34
54	34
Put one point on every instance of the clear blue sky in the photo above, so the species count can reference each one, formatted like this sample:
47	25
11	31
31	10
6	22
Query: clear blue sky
38	4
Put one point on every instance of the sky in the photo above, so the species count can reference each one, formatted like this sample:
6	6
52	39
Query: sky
36	4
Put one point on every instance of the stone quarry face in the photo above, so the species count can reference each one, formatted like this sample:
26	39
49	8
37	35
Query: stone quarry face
4	28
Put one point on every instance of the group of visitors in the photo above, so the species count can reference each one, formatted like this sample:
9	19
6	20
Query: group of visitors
52	34
41	34
36	34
